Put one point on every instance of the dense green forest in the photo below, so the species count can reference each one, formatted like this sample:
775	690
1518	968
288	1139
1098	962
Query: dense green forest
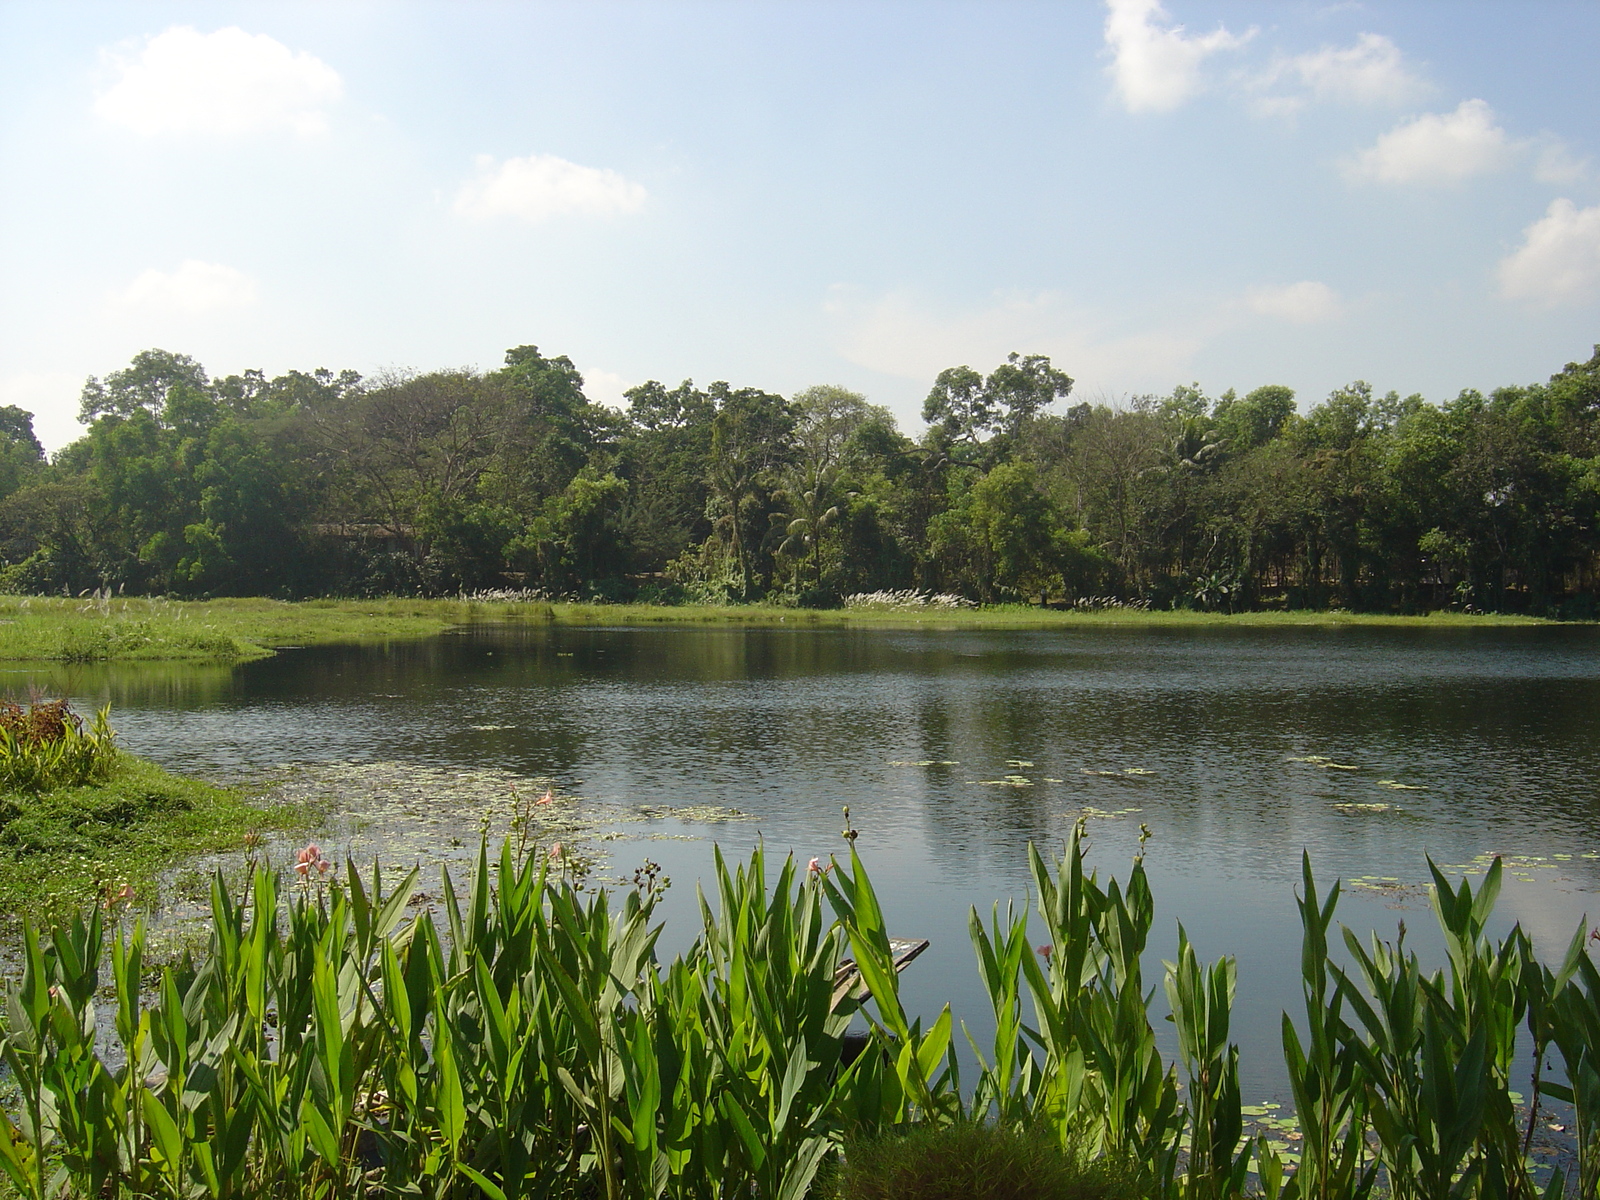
451	481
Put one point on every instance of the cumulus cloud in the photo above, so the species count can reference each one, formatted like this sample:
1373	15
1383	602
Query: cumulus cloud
1372	71
543	186
606	387
1155	65
1438	148
229	82
1555	163
194	289
1559	259
1305	303
900	335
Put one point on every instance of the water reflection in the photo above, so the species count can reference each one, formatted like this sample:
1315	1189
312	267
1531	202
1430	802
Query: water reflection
1495	729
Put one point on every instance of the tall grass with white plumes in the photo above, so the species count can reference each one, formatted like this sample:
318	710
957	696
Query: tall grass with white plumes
909	599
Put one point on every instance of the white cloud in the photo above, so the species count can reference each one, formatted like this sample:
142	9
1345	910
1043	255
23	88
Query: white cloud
542	186
1555	163
194	289
1438	148
1559	259
229	82
1156	65
606	387
899	335
1372	71
1305	303
52	398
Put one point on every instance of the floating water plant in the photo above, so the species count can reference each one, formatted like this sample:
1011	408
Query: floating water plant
1327	764
1103	814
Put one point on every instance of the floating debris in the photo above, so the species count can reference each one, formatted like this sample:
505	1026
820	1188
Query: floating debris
924	762
1125	773
1019	763
1367	808
490	728
1012	781
1327	764
1395	786
1089	811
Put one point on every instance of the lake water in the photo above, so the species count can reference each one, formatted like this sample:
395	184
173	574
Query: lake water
1369	747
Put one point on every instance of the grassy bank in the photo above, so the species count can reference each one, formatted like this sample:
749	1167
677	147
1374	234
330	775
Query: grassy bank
56	629
1000	616
71	846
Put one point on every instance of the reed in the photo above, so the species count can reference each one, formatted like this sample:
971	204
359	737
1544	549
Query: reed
334	1041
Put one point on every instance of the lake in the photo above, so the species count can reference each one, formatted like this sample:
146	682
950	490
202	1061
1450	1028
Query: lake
1236	747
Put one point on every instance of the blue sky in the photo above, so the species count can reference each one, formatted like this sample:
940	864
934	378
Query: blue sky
784	194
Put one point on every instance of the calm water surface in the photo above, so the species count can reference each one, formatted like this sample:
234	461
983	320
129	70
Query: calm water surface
1501	727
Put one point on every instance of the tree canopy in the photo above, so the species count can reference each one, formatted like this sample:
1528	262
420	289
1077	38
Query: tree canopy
324	483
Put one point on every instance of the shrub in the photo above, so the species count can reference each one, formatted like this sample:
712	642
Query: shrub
974	1161
45	746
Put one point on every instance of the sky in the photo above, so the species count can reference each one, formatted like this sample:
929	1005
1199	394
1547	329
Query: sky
780	194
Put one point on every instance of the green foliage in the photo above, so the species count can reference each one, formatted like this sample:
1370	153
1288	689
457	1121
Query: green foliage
72	845
437	483
45	747
329	1044
974	1161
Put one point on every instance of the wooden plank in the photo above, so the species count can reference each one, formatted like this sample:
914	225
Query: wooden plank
847	981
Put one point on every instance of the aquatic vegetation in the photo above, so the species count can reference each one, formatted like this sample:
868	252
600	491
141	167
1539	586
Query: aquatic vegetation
1088	811
520	1038
1327	764
1395	786
422	813
705	813
45	746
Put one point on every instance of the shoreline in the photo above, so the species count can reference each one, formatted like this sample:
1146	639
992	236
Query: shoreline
227	631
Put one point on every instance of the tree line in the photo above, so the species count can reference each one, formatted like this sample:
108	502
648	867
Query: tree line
436	483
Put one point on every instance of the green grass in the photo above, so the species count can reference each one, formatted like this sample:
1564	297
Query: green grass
999	616
972	1161
65	848
57	629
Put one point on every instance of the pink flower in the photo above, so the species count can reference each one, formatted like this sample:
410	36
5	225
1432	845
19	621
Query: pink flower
549	797
1047	951
556	851
310	857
